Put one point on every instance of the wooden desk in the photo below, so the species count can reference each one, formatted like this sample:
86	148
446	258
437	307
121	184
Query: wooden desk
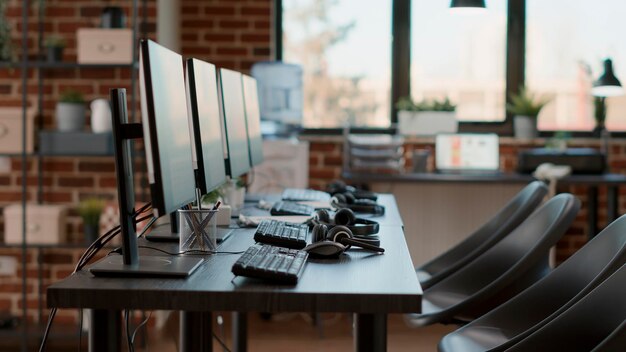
366	284
611	181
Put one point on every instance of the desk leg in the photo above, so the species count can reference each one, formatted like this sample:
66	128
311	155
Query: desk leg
196	332
104	330
612	204
370	332
592	211
240	331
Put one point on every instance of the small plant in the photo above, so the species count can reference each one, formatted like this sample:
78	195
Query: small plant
600	110
407	104
213	196
54	41
6	45
525	104
90	210
72	97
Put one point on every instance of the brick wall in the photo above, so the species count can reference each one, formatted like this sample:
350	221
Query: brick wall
231	34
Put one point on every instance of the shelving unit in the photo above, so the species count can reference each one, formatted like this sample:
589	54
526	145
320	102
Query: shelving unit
28	333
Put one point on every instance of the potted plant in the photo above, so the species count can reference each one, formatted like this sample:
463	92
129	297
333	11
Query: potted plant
70	111
599	115
233	192
426	118
6	47
90	210
54	45
525	109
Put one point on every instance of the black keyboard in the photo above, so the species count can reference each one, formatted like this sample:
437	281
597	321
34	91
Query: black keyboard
282	234
291	208
271	263
305	195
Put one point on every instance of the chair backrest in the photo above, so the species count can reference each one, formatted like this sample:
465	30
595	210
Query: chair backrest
549	297
614	342
500	225
507	261
587	323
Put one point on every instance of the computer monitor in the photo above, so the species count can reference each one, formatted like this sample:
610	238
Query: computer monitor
234	126
206	131
166	128
467	152
253	119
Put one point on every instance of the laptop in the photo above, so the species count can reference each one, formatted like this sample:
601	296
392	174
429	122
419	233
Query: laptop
467	153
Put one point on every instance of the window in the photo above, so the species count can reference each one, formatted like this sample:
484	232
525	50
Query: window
460	56
566	42
344	47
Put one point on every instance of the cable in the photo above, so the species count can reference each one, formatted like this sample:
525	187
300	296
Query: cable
148	225
132	339
42	347
220	342
131	348
80	330
190	251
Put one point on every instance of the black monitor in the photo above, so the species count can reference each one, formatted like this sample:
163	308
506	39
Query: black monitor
206	133
234	126
166	128
253	120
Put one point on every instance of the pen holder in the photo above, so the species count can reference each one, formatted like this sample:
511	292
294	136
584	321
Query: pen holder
197	230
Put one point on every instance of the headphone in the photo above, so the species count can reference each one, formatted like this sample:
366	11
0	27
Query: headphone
347	200
345	217
338	186
343	235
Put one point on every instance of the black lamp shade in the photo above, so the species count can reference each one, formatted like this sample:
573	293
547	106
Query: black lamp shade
607	85
467	3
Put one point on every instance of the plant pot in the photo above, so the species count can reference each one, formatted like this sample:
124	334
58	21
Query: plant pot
70	117
54	53
91	232
101	116
525	127
426	123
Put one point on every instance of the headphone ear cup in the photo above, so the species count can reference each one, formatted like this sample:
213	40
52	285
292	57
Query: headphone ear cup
339	199
337	233
345	217
322	215
350	199
319	233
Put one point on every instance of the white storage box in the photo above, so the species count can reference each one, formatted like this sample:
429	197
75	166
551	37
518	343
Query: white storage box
105	46
426	123
45	224
11	130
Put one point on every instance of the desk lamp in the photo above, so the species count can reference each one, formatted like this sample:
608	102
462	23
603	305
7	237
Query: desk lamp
607	85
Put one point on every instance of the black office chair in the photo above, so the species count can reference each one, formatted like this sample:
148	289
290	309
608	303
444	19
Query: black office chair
500	225
539	304
510	266
586	324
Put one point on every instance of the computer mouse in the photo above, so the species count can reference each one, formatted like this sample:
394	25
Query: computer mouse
325	249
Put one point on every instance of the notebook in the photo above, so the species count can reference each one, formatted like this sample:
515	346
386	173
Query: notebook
467	153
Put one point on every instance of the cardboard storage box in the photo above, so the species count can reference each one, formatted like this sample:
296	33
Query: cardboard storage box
45	224
11	130
105	46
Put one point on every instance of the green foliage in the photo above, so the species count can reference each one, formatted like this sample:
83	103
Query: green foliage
90	210
406	103
54	41
72	96
240	182
213	196
600	110
525	104
6	45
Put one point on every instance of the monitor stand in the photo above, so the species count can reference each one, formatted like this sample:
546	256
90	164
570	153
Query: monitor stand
130	264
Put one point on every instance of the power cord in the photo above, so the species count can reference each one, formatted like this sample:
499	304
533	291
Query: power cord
132	339
89	253
131	348
190	251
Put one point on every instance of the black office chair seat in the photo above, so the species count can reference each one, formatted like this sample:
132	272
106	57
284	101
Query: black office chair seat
500	225
510	266
539	304
586	324
614	342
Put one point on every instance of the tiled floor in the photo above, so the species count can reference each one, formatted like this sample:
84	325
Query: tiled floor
295	332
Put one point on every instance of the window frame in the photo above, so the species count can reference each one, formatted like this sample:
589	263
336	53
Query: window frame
401	69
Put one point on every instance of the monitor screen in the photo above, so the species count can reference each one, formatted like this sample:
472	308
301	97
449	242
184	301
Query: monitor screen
253	120
206	129
467	152
165	128
234	117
